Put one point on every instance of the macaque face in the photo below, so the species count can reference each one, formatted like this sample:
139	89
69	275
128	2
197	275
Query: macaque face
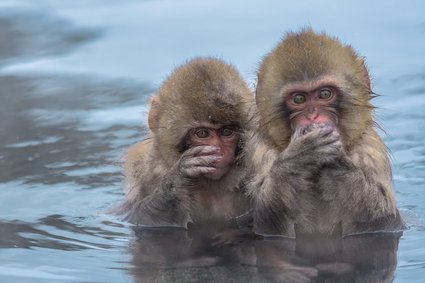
309	106
224	138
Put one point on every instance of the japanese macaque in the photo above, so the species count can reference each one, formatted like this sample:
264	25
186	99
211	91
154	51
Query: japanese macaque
319	166
189	168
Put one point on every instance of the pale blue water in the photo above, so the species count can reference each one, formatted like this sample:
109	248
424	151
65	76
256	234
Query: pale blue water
75	77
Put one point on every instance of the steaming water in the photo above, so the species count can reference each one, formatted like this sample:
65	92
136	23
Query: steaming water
75	77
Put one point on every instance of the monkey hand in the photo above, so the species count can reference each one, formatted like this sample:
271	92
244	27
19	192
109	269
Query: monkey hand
198	161
315	145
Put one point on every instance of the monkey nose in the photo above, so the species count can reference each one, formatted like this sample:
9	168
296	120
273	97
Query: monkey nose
312	115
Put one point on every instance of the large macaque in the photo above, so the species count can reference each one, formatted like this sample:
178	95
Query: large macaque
189	167
319	166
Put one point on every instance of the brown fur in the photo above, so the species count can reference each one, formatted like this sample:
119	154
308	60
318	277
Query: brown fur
302	184
205	90
306	56
201	91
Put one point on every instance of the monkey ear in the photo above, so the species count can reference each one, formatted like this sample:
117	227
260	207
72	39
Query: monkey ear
153	116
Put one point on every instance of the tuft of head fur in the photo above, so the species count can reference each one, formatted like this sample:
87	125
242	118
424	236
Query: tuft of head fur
204	90
307	56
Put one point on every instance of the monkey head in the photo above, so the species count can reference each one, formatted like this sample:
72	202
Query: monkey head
311	78
200	95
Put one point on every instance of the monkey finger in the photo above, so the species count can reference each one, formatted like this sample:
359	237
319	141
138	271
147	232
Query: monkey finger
299	132
312	143
201	150
197	171
315	135
327	153
207	152
331	152
326	131
333	143
312	127
330	141
192	151
208	160
325	139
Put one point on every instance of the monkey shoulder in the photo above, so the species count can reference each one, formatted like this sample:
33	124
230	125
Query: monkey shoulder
371	157
141	169
143	154
259	182
370	152
138	151
260	153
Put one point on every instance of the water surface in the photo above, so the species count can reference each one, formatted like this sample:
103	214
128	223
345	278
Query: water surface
75	78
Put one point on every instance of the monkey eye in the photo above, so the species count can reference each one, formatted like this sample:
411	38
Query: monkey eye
202	133
325	93
298	98
226	131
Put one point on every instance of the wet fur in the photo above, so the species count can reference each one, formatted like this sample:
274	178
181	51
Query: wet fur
157	192
336	183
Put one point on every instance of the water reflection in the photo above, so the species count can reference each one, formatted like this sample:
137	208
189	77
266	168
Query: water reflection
176	255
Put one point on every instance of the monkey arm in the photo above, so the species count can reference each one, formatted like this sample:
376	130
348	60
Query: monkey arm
168	204
271	193
360	188
280	180
291	179
156	195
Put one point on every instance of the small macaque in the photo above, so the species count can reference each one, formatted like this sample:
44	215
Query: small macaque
189	168
319	167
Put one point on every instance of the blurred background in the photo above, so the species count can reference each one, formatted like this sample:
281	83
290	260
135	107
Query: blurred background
75	77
